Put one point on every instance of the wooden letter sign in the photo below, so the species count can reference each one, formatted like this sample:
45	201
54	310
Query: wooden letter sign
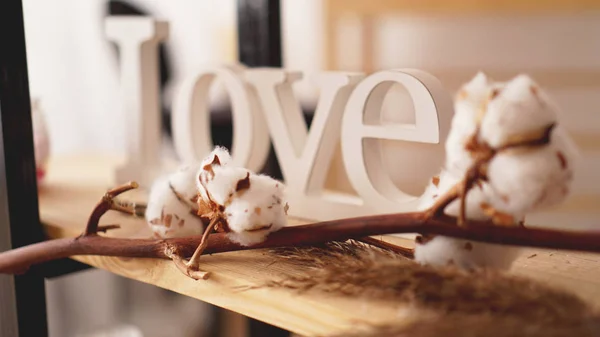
263	103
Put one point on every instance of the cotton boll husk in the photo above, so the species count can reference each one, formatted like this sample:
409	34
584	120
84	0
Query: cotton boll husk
166	215
520	107
441	250
524	180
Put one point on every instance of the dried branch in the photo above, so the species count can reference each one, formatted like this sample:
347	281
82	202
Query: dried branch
107	203
18	260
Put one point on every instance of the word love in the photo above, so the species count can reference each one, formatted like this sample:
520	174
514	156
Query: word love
265	110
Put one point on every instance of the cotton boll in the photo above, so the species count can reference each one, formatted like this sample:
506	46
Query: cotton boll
172	200
444	251
519	108
253	205
524	180
168	216
441	250
258	211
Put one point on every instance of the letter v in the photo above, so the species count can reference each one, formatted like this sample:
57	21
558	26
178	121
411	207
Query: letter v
304	156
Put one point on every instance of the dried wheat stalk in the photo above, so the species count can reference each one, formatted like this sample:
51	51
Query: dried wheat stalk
442	301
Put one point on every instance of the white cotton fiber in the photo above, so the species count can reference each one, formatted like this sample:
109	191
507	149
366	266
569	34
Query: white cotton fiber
219	157
430	194
524	180
467	107
445	181
220	183
224	158
518	180
166	215
170	215
441	250
444	251
253	212
519	108
252	204
258	211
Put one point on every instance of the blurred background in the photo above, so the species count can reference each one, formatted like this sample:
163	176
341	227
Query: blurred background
73	72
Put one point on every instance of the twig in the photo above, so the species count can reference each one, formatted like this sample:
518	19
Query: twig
106	228
192	267
406	252
131	208
17	260
107	203
443	201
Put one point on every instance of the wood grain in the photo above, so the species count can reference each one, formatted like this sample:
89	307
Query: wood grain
75	184
465	7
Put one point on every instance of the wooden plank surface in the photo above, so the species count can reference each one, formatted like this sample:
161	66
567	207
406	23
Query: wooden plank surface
75	184
463	7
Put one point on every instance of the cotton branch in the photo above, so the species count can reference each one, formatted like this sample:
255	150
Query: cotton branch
477	172
20	259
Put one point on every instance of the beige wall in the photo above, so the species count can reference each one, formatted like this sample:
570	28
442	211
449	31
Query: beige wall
560	51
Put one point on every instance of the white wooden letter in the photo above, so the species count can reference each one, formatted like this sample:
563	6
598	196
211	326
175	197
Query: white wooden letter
305	156
191	119
138	39
362	129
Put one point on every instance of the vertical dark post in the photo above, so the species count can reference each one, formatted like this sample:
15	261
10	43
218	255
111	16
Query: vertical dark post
259	33
259	45
18	194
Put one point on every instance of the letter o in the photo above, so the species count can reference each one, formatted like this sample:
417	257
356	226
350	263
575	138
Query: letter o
191	119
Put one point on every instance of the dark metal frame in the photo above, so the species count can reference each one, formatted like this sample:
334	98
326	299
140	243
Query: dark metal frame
23	296
18	163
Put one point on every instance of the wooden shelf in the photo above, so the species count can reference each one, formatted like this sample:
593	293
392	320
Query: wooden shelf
75	184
